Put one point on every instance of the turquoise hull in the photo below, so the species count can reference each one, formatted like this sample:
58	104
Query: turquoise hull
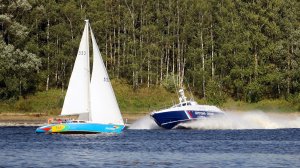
80	128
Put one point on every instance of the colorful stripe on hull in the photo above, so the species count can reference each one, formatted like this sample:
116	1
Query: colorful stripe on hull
84	128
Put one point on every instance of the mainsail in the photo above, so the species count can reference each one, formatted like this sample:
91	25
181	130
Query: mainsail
77	99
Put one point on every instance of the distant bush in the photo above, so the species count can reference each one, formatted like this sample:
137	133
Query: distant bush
170	84
295	101
214	94
267	105
276	105
24	105
254	92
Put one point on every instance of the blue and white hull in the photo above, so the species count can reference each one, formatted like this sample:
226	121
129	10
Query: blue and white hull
80	128
169	118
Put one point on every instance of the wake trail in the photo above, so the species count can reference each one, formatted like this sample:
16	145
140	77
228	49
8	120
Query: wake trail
247	120
232	120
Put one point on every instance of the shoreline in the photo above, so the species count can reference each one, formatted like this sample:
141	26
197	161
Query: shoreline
37	119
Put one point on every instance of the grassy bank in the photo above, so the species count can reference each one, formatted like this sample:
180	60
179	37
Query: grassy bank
131	102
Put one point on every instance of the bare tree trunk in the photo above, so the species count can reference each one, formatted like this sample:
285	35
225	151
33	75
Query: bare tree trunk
141	37
71	27
20	87
203	58
148	73
168	45
183	63
289	70
178	44
57	66
173	60
56	75
63	75
182	73
106	43
168	62
48	57
119	42
111	51
114	53
161	68
124	47
255	63
106	51
212	52
118	59
157	72
134	42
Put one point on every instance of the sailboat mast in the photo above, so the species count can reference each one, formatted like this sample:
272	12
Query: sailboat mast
89	76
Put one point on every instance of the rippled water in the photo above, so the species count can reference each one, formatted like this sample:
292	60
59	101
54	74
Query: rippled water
22	147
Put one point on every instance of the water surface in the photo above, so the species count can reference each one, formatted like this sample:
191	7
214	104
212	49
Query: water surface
22	147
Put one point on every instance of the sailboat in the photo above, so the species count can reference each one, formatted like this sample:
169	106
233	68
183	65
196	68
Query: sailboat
91	98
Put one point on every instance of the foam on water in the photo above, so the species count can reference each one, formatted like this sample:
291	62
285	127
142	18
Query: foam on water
247	120
144	123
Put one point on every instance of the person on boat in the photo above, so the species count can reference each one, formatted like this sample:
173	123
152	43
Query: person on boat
50	120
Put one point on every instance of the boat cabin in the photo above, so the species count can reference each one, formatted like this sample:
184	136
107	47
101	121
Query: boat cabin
64	120
186	103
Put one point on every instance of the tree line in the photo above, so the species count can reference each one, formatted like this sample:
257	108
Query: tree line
246	50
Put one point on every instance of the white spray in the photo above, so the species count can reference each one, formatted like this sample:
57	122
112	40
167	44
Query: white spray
232	120
144	123
247	120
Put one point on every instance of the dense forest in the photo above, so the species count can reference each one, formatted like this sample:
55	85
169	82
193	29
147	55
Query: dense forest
247	50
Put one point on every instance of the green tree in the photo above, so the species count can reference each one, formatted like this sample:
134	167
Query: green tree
18	72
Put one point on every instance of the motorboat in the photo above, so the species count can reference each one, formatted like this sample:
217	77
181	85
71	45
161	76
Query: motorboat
185	111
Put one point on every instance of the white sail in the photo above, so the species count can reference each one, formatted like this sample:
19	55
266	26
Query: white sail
104	106
77	99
